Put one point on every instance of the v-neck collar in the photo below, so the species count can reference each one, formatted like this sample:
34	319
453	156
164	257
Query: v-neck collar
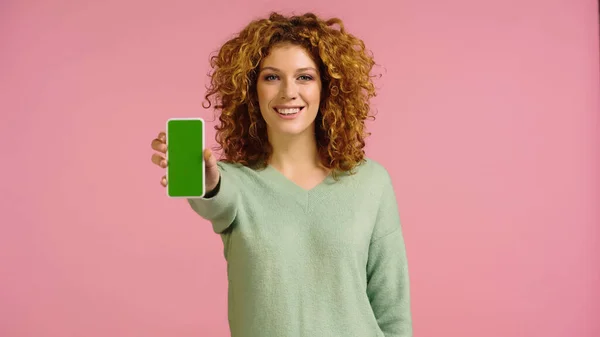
289	185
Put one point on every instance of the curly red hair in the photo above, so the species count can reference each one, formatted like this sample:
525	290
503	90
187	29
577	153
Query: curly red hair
344	66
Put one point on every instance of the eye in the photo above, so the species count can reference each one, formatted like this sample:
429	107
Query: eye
305	78
270	78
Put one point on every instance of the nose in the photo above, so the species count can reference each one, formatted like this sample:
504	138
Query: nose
289	90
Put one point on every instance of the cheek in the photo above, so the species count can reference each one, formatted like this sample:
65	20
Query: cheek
312	95
260	93
265	94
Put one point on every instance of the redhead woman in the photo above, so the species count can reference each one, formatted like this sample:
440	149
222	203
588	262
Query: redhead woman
310	225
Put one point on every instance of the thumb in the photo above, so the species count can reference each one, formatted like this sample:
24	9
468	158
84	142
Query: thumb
209	159
212	170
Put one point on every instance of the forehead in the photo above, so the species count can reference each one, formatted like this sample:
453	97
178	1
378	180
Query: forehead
288	57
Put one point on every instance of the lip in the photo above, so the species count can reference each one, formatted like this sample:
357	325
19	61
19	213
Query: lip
288	107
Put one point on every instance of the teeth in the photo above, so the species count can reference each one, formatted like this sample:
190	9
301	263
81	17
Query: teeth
288	111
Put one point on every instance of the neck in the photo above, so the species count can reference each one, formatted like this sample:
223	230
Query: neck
294	153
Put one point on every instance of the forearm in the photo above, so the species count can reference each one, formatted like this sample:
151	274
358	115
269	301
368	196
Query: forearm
388	285
218	206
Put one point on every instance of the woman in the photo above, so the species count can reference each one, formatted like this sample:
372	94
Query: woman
310	226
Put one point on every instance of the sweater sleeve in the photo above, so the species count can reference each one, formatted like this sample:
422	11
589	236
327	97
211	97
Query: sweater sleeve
221	206
387	271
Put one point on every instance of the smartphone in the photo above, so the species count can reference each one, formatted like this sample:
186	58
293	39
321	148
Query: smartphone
185	160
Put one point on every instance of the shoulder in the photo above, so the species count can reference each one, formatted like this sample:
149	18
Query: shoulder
226	166
369	178
238	172
373	172
234	169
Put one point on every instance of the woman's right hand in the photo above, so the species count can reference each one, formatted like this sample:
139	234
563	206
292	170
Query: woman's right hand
210	162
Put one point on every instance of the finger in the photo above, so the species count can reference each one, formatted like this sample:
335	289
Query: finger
162	137
159	160
209	158
158	145
163	181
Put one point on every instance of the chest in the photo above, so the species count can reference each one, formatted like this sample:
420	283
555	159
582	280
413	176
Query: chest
332	224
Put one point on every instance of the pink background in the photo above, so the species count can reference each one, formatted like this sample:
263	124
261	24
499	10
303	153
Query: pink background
488	123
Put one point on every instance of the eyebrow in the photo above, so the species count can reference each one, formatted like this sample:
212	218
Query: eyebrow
297	70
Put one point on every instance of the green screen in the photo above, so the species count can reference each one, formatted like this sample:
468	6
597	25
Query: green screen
185	166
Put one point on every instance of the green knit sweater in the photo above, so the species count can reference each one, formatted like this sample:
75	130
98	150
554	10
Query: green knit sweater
325	262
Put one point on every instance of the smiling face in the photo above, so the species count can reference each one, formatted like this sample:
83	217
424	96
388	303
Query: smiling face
289	91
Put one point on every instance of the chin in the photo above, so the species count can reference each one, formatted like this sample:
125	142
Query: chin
292	129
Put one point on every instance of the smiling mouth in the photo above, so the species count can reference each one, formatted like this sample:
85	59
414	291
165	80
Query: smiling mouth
288	111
